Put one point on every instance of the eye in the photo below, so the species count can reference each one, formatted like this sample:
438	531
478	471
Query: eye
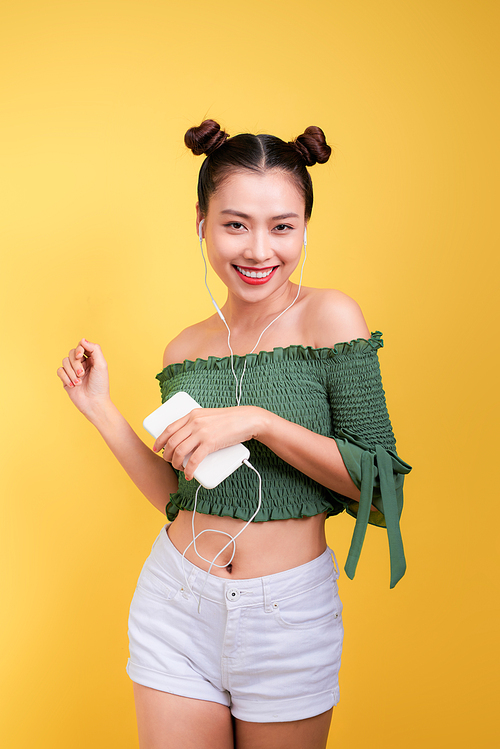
234	225
282	227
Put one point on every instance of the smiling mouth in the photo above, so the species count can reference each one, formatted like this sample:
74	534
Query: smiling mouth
257	276
259	273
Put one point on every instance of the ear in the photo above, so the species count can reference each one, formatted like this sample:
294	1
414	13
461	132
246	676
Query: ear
199	217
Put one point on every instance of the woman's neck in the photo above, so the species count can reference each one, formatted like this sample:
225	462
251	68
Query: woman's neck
248	322
254	316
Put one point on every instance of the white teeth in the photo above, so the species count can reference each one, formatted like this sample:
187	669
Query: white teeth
254	274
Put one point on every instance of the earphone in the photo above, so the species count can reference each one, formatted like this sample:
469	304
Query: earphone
200	234
239	386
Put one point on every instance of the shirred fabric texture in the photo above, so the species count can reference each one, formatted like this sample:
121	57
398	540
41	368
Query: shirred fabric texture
336	392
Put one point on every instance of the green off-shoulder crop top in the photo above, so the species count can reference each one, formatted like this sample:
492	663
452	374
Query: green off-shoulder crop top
336	392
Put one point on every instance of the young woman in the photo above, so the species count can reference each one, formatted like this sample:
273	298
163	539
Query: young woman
236	627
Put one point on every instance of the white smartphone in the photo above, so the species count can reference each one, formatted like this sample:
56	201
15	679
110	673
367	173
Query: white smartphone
215	467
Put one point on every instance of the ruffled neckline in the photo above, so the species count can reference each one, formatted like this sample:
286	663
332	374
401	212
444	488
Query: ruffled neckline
278	354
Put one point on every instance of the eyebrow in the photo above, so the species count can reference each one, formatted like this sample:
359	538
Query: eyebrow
274	218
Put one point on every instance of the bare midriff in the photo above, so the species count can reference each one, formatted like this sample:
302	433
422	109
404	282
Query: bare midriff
262	549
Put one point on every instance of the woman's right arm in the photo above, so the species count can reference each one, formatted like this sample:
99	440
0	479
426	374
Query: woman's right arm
84	374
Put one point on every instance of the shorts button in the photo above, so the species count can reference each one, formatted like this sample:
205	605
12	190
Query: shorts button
232	594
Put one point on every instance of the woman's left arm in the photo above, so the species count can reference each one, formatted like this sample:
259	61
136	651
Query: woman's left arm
312	454
334	316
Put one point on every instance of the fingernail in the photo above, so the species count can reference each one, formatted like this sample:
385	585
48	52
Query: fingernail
154	448
79	372
77	382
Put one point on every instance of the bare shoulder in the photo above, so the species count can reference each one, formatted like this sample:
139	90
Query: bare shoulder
334	317
187	344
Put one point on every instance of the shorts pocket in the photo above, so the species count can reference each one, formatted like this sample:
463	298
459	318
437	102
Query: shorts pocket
155	585
310	609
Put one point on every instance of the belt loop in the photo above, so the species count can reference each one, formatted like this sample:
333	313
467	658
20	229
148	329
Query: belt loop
189	580
266	591
335	563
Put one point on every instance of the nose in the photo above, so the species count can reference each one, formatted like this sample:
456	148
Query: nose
258	247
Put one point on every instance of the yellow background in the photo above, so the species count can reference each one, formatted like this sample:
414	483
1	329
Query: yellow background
98	240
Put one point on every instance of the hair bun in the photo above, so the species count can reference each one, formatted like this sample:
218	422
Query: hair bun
205	138
312	146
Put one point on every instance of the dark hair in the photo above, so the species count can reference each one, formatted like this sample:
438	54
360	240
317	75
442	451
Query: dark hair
257	153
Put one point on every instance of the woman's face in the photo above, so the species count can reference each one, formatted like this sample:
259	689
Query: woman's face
254	231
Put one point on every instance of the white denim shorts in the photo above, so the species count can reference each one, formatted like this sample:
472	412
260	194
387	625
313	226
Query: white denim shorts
269	647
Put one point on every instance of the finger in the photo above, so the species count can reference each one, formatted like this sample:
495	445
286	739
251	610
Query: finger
80	353
76	361
194	461
70	372
178	447
93	350
64	378
180	456
162	440
168	433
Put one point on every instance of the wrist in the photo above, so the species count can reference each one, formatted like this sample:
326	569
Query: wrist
263	424
101	412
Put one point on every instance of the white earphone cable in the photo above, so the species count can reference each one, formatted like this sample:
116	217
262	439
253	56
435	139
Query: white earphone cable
239	389
232	539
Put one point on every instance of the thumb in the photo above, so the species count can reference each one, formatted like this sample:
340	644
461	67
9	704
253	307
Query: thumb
88	349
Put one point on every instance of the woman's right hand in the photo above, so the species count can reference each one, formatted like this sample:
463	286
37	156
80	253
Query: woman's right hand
84	374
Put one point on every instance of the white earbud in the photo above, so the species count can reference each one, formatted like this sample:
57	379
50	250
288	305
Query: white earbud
305	237
200	234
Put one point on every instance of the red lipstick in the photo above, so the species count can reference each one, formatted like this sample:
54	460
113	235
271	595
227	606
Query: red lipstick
255	281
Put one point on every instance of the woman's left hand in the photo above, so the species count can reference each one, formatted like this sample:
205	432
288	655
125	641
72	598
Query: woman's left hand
205	430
